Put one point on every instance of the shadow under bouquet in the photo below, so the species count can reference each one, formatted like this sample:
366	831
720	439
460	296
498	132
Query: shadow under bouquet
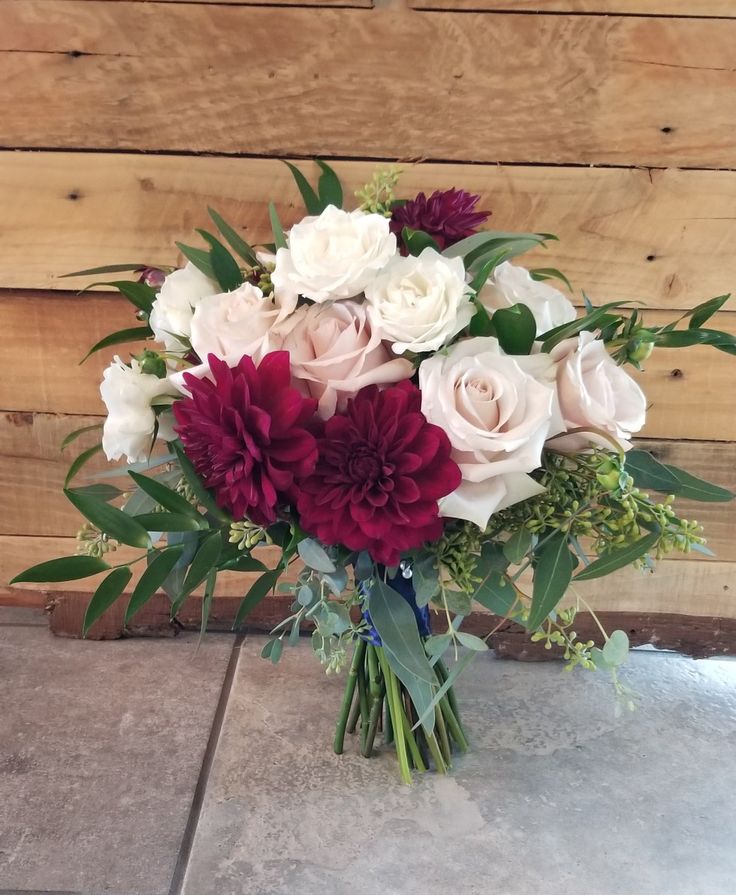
413	424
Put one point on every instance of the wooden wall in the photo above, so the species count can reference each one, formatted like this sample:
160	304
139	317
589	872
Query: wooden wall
609	122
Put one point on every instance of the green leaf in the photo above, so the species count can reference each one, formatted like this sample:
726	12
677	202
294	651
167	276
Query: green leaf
473	249
79	462
209	594
455	672
515	328
311	199
258	592
243	563
101	491
167	498
594	319
616	648
278	230
132	334
225	267
315	556
112	521
72	436
421	693
276	650
199	258
552	575
330	189
618	558
168	522
140	295
693	488
174	581
205	559
703	312
437	644
517	546
416	241
109	590
649	473
198	489
481	323
550	273
106	268
486	269
494	591
153	578
426	579
235	240
68	568
397	627
470	641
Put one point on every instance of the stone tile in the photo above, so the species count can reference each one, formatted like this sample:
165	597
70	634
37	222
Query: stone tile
101	745
23	615
558	795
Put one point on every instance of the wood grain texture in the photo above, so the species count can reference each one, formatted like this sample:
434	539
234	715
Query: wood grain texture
556	88
699	8
661	237
690	391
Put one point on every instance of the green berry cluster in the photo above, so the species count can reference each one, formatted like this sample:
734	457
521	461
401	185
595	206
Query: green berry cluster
377	196
247	535
457	550
93	542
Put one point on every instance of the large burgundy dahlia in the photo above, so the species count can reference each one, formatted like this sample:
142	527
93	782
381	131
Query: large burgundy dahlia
381	470
244	432
448	216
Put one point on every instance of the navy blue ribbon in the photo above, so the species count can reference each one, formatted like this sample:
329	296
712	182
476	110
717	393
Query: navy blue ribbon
405	587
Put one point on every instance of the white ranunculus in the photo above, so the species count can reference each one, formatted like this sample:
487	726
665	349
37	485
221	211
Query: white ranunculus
497	411
171	314
232	324
510	284
333	255
131	421
594	391
420	303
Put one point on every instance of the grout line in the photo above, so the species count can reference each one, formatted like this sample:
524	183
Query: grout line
185	849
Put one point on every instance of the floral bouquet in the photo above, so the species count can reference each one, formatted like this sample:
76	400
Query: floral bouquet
416	423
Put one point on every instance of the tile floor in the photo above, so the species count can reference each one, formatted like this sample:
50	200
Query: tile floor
151	767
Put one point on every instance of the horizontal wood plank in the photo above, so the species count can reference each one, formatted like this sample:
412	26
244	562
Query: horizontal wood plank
664	238
689	587
570	89
699	8
46	335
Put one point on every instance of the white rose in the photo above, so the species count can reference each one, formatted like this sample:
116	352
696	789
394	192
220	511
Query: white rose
171	314
333	255
420	303
497	411
131	421
593	390
510	285
232	324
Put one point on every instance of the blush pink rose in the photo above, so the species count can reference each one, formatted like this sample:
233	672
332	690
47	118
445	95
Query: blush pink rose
595	392
335	352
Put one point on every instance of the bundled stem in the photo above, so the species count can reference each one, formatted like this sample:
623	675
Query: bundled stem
374	694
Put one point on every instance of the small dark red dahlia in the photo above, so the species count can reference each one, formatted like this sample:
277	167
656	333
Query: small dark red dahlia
448	216
381	470
245	433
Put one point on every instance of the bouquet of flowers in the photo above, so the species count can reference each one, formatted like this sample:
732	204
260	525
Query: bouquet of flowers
416	423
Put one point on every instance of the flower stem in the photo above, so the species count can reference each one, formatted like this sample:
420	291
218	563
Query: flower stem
347	699
444	740
450	695
394	701
454	726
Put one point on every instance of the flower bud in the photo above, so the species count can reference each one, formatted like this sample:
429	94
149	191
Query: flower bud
639	347
152	362
152	277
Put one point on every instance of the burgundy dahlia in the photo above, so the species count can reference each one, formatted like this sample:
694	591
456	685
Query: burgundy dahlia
448	216
381	470
245	434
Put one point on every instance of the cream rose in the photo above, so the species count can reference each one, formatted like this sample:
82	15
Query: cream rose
420	303
131	421
231	324
497	411
594	391
173	307
510	285
333	255
334	352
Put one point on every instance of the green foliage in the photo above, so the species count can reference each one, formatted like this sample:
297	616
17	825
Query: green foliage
648	472
236	242
112	521
224	266
618	557
552	575
202	495
258	592
79	462
200	258
278	231
377	196
315	556
168	499
72	436
132	334
109	589
67	568
515	329
550	273
160	567
416	241
328	192
106	268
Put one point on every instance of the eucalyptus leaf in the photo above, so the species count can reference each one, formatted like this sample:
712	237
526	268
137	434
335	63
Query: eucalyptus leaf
616	648
396	625
364	566
518	545
109	589
455	672
67	568
315	556
437	644
693	488
470	641
649	473
552	575
426	579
